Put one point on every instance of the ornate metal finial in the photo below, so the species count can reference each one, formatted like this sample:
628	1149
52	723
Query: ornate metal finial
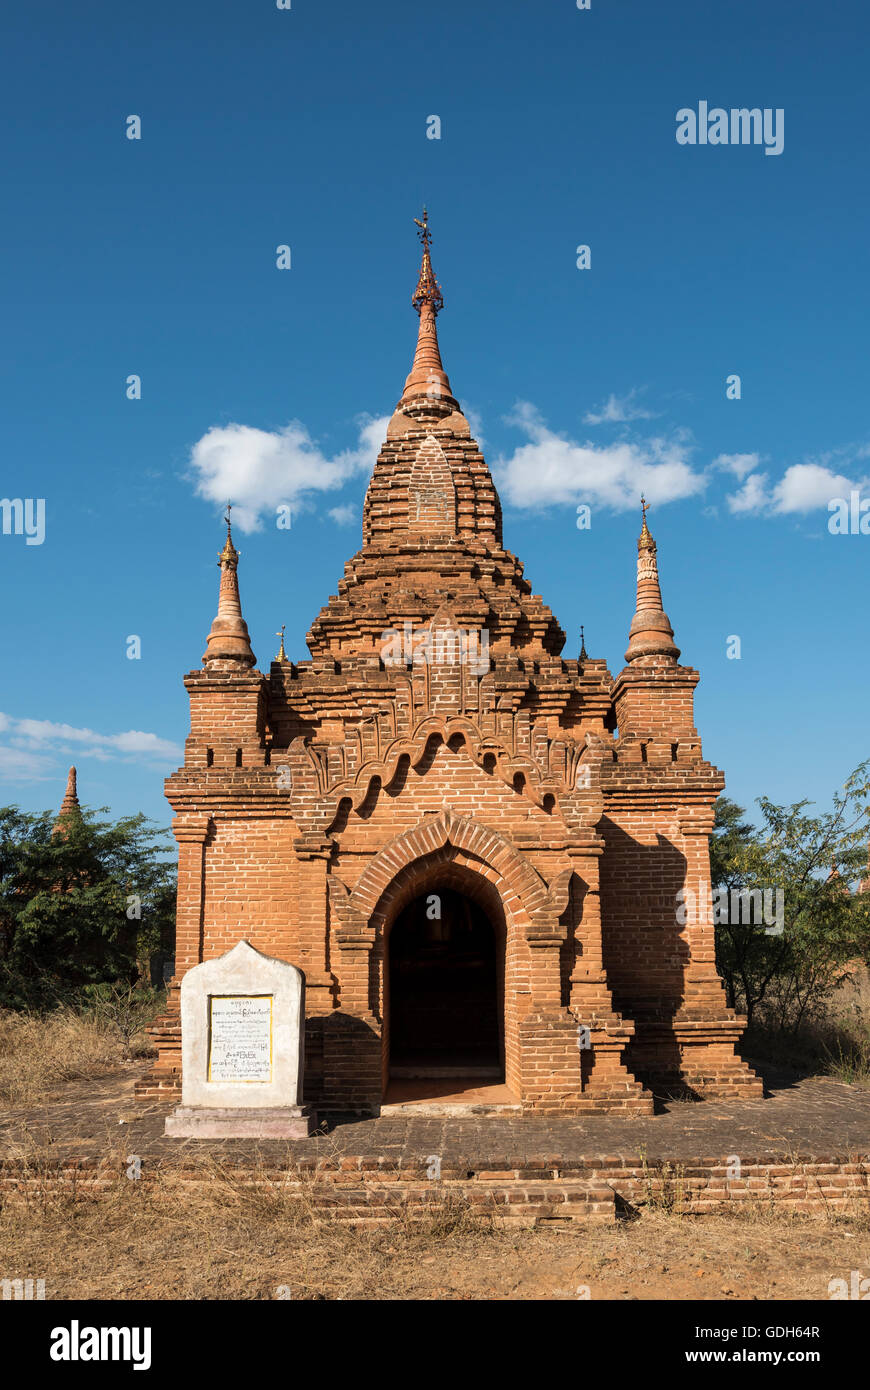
584	655
229	555
645	535
428	290
424	234
282	655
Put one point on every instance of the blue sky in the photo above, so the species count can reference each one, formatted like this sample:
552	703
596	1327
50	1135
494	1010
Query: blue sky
308	128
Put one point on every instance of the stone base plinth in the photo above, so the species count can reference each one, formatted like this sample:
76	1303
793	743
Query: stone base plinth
201	1122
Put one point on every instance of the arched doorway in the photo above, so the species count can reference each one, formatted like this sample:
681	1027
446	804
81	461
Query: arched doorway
445	988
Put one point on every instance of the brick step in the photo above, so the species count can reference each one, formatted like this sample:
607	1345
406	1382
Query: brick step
369	1190
514	1203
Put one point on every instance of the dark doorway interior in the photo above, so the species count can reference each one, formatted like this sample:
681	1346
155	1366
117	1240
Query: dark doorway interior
444	989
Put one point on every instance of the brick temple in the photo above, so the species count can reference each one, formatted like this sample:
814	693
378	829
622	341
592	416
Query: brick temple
478	851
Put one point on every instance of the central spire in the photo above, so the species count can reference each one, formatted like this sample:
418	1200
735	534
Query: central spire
427	376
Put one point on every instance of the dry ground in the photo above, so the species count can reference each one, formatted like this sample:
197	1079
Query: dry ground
162	1240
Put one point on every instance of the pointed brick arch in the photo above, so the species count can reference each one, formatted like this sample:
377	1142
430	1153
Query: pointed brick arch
447	867
523	892
460	852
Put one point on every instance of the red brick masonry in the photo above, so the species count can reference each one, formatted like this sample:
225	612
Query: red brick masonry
573	807
371	1190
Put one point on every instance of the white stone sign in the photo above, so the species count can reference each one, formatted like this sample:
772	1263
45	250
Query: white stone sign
242	1028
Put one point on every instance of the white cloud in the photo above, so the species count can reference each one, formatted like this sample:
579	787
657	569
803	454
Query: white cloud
753	496
260	469
33	745
617	410
19	765
551	469
803	487
738	464
806	486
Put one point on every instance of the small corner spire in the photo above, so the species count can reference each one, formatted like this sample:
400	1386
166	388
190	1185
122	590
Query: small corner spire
282	655
584	655
229	644
651	634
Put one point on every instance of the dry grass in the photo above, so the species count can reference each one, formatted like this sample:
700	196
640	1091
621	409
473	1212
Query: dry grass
38	1053
836	1043
224	1239
848	1052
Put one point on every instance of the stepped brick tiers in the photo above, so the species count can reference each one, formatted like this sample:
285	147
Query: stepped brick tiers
487	859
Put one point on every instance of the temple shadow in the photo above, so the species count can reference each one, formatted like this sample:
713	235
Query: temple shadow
646	955
343	1065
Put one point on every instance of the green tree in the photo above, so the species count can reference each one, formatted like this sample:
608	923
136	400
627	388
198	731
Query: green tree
815	863
79	905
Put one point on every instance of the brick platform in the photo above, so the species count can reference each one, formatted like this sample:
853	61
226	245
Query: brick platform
806	1146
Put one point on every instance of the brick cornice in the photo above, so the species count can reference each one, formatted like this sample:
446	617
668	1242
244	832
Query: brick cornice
191	827
637	674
